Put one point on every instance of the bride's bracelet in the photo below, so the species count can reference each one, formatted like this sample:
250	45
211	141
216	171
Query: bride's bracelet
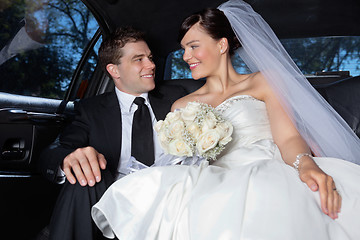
297	161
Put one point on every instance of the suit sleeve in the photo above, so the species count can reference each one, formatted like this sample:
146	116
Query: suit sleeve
75	135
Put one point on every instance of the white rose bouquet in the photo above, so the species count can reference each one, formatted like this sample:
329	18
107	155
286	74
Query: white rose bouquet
196	130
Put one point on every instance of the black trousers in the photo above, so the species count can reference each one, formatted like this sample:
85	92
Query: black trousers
71	219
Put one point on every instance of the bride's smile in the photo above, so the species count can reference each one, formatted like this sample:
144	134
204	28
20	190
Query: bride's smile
201	52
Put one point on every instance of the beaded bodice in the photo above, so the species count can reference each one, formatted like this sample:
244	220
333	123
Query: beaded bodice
248	116
252	138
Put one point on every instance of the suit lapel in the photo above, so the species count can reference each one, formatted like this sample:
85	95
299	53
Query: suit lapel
112	118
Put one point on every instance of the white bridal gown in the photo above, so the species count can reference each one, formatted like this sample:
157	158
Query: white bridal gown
248	193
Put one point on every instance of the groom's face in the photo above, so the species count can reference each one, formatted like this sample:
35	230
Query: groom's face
136	72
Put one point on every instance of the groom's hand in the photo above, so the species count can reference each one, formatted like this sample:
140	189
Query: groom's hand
85	163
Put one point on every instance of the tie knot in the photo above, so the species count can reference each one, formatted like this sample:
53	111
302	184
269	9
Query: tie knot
139	101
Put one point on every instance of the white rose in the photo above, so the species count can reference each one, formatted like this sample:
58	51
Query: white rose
164	141
172	116
194	130
209	122
225	141
207	140
225	130
188	113
179	147
176	129
158	125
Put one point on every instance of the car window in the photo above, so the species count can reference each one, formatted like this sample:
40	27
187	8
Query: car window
312	55
41	43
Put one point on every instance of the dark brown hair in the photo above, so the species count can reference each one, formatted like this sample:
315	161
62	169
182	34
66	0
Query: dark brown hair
110	49
215	23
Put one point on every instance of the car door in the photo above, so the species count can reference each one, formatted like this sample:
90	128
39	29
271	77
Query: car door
47	61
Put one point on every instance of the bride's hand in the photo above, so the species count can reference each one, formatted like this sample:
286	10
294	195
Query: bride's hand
316	179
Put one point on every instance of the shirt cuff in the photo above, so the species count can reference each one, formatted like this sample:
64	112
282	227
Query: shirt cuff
60	176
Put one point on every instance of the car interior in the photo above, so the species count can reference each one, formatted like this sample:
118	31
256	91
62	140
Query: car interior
32	112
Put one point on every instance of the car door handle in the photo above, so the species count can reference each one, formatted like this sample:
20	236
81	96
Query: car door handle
13	155
13	149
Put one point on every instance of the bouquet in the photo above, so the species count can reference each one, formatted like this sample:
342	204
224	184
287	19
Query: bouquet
196	130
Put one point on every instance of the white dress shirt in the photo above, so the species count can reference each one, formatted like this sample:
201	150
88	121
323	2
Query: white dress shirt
128	108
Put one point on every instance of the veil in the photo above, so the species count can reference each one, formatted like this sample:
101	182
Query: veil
326	133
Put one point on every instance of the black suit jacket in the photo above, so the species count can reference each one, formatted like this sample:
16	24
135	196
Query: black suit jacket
97	123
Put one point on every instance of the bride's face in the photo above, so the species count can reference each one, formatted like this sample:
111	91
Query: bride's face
201	52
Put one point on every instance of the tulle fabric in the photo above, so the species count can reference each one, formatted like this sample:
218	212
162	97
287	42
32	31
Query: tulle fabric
320	125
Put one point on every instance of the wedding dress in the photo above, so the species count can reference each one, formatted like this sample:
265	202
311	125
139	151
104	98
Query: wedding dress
248	193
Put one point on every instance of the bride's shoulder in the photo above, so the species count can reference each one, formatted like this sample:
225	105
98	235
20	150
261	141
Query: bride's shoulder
197	95
260	84
249	79
262	88
258	77
182	102
254	84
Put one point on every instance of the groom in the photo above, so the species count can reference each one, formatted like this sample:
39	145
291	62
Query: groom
96	148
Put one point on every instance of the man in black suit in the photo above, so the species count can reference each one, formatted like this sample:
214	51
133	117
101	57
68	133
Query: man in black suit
96	148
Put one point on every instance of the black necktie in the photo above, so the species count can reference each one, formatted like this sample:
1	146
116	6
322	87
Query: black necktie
142	144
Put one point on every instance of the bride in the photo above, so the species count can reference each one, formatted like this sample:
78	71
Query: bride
277	178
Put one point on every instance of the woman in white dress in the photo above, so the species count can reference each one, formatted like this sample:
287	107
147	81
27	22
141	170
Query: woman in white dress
266	184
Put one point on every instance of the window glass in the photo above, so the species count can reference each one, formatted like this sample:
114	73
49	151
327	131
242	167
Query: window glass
322	54
87	71
325	54
41	43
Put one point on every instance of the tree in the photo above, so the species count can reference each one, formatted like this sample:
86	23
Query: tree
325	54
46	71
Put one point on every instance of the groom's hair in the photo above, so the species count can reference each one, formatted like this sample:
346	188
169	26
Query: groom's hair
110	49
215	23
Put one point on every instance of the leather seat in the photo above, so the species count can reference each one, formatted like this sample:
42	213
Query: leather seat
344	96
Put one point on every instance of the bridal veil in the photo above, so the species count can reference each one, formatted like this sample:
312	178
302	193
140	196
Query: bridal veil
327	134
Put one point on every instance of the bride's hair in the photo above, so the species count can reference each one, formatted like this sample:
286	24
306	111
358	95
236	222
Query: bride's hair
215	23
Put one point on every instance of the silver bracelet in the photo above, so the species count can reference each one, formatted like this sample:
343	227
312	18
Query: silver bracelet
297	161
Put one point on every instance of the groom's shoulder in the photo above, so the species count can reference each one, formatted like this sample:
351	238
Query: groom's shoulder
98	100
177	88
171	92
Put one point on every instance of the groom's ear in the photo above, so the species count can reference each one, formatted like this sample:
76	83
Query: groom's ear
113	70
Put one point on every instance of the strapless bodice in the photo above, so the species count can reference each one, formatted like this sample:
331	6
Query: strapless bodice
252	138
248	116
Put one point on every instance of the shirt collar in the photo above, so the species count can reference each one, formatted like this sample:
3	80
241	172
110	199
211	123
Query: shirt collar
126	100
